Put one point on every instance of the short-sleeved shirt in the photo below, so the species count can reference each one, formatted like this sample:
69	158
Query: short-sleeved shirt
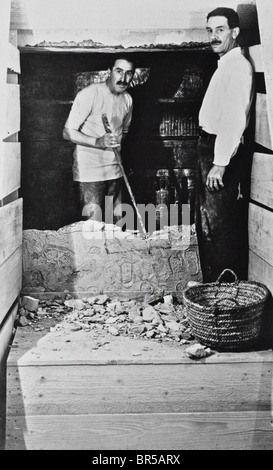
92	164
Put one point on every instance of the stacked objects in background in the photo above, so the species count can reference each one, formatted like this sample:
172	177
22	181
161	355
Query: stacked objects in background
177	126
192	83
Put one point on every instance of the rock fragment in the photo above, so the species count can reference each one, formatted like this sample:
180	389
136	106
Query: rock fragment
134	312
165	308
172	325
22	321
137	329
197	351
113	331
162	328
102	299
168	299
92	300
30	303
149	313
111	320
76	304
150	333
193	284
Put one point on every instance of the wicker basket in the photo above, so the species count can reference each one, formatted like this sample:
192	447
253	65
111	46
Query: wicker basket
226	316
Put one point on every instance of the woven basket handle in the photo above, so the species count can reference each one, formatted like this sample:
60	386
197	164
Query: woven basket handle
227	270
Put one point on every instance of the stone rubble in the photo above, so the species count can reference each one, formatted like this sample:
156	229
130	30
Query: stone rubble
162	320
197	351
30	303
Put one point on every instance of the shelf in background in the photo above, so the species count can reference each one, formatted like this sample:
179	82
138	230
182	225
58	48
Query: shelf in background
174	137
179	100
63	50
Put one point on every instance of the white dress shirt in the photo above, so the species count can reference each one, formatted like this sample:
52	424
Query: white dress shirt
226	106
94	164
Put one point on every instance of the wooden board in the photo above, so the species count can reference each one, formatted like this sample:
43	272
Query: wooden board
2	403
189	431
260	232
10	281
6	331
260	271
262	132
265	13
10	167
13	109
175	388
10	228
82	14
14	59
262	179
255	56
4	42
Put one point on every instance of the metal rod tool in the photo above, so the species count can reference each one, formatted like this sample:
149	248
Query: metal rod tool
118	158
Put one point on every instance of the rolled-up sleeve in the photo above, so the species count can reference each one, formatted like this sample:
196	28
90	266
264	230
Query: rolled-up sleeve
81	108
236	102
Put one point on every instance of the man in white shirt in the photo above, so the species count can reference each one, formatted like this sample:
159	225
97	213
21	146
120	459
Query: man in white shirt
95	168
222	162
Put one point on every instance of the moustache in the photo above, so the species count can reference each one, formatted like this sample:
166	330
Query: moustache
122	83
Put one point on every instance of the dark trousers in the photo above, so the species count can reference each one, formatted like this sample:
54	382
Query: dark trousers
221	216
101	200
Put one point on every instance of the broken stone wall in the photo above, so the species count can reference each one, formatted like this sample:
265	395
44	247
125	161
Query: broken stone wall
108	260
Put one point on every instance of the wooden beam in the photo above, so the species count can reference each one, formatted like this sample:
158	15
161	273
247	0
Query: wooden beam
262	131
14	59
255	56
262	179
12	110
4	56
128	389
41	14
260	232
265	14
6	332
10	228
260	271
10	281
10	167
250	430
3	393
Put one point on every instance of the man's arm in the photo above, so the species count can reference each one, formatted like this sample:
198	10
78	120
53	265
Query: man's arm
236	103
80	110
79	138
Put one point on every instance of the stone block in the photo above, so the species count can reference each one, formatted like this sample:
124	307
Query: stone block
29	303
109	262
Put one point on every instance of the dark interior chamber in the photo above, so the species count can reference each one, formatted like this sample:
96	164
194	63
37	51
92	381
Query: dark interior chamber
159	154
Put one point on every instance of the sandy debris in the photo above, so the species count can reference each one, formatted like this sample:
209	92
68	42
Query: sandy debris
161	320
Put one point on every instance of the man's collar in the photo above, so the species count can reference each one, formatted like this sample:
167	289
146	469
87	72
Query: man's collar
229	55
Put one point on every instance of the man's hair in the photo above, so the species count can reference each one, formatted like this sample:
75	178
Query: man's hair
230	14
121	57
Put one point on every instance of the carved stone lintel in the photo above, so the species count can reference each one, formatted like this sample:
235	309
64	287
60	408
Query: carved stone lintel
65	260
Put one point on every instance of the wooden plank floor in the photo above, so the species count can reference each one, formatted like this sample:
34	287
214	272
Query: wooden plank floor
134	394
